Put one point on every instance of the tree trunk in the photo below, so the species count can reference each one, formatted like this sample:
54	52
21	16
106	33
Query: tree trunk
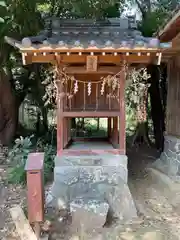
98	124
73	123
157	112
8	111
141	134
44	118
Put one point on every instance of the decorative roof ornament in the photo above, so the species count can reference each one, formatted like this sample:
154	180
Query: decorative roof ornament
61	43
108	43
140	43
124	43
45	43
26	42
92	43
77	43
153	42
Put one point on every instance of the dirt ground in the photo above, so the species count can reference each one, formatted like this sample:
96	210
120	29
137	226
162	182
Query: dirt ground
158	218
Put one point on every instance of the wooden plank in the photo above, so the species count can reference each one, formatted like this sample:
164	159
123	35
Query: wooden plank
83	70
40	58
91	114
107	59
23	227
93	152
173	99
122	119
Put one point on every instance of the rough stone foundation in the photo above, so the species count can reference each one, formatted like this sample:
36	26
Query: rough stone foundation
169	161
100	180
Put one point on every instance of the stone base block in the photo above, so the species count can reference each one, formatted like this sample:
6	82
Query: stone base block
88	212
121	204
103	177
91	168
169	162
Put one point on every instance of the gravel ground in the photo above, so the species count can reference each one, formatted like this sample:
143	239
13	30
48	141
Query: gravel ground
158	218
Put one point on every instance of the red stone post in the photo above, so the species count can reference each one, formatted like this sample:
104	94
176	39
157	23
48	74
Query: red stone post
35	189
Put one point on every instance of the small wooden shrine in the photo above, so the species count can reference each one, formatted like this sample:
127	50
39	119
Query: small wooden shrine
92	60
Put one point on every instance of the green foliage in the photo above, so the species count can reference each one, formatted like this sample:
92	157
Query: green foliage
136	82
2	9
82	8
154	14
151	23
18	155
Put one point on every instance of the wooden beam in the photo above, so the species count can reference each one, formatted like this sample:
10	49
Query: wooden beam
23	227
40	58
91	114
100	70
81	59
102	59
106	59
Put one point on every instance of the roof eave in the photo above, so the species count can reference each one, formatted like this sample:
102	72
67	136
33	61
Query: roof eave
13	42
169	31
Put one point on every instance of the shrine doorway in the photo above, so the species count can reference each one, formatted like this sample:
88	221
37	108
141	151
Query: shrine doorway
89	128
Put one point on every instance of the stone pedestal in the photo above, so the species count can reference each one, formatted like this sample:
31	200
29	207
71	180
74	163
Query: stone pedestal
169	162
102	177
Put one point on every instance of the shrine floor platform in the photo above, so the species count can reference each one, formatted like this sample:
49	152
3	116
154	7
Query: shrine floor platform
90	145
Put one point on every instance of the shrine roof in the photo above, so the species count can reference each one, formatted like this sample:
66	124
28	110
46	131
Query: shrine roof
171	27
83	35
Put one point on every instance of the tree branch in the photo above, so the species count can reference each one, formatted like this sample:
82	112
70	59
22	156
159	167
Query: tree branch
141	8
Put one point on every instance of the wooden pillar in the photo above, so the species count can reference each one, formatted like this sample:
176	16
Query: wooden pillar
65	132
115	130
60	130
69	129
122	119
109	128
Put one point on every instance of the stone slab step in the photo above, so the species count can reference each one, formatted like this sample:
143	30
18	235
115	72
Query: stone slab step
86	160
166	185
